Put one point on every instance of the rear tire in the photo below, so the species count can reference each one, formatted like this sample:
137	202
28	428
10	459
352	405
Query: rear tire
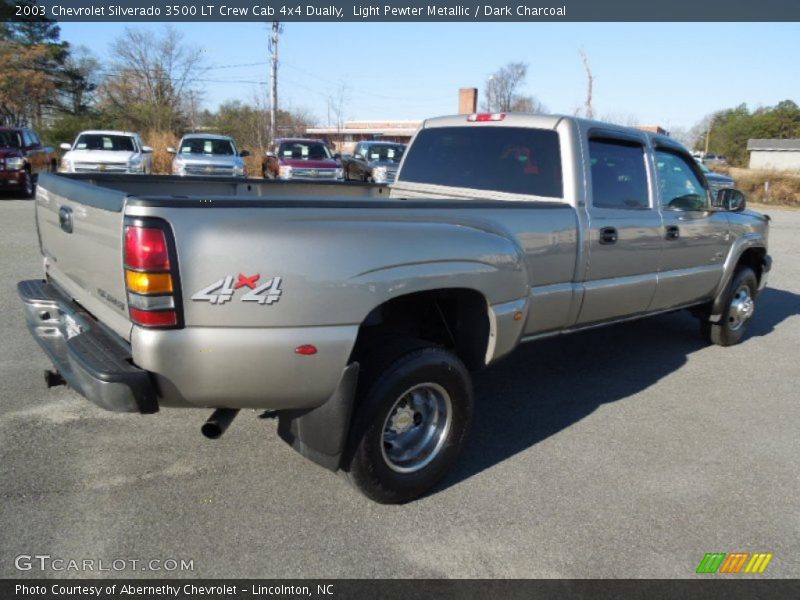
411	421
739	303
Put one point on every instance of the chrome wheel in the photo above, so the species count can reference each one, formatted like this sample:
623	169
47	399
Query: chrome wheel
741	308
416	427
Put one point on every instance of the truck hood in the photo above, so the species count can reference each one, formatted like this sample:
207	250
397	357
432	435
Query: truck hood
203	160
718	178
100	156
9	152
299	163
384	163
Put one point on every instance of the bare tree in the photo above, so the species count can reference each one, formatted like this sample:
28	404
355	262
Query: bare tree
588	109
338	100
502	91
152	78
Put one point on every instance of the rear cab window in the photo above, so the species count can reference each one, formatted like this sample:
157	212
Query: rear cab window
513	160
619	174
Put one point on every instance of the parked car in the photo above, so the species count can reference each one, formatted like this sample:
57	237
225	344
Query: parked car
210	155
99	151
22	159
356	313
714	159
716	181
373	161
300	158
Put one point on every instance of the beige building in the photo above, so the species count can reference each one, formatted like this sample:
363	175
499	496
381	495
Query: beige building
344	138
778	155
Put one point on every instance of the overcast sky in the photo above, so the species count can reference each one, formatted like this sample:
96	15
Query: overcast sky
668	74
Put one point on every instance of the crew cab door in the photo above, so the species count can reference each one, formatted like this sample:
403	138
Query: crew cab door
696	237
624	229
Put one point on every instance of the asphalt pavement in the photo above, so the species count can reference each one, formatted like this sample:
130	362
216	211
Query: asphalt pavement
628	451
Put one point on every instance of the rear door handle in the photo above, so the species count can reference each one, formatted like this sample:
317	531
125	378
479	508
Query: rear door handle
608	235
673	232
65	218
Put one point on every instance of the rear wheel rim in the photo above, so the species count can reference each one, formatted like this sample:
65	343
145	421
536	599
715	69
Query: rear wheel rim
741	308
416	427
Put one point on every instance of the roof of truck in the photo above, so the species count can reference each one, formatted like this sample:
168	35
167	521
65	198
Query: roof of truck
107	132
540	121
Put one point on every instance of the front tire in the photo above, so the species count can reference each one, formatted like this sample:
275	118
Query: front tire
410	425
28	185
739	302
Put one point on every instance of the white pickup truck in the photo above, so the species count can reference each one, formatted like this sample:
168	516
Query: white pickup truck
357	312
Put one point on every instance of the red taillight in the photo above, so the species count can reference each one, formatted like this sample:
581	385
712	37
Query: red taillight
480	117
146	249
148	318
151	278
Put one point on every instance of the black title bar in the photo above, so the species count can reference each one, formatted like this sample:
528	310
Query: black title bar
402	10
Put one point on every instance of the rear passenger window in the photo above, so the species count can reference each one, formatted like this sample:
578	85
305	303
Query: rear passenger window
619	177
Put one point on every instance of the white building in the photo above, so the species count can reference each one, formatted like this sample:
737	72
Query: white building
778	155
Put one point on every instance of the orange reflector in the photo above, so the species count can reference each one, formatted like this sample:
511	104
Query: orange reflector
148	283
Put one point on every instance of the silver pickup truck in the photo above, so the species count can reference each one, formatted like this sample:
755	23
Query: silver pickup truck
355	313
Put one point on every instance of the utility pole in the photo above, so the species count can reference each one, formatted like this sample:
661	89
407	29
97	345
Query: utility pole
273	110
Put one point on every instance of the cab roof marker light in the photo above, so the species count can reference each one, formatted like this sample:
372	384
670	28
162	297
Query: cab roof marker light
482	117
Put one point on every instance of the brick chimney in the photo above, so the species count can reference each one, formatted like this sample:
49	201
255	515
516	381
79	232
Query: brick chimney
467	101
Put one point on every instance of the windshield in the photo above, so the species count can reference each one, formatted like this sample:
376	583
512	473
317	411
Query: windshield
385	152
100	141
304	151
221	147
9	139
503	159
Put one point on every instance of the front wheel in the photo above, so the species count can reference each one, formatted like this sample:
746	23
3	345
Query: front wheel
28	185
410	426
739	302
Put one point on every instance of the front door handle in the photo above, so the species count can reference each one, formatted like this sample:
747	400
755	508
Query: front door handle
608	235
673	232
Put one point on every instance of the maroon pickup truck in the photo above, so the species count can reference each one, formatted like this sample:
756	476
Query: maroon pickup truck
22	158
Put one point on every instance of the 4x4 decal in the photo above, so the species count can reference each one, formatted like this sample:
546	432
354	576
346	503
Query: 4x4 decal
222	290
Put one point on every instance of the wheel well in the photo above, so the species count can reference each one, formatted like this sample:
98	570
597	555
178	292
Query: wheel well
457	319
753	258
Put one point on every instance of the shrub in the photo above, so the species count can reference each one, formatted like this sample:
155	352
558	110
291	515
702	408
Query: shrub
160	141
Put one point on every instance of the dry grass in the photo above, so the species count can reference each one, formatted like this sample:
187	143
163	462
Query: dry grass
774	188
160	141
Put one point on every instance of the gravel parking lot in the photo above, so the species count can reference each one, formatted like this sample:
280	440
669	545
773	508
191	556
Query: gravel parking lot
628	451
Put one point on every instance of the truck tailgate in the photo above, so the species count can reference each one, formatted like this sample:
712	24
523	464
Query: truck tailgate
81	232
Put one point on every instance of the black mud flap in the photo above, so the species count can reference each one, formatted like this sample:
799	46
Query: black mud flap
320	434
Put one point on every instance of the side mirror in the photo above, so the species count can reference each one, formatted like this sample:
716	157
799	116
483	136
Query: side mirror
244	153
171	150
731	200
147	149
65	146
358	156
337	156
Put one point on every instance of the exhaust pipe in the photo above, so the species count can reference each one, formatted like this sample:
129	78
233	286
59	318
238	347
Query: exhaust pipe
218	422
53	378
